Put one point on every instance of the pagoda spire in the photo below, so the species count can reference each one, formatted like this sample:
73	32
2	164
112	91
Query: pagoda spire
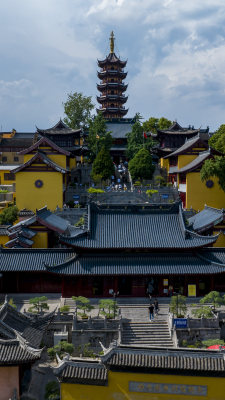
112	40
111	86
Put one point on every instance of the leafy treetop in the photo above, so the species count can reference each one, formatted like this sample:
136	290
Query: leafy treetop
178	305
217	141
78	110
141	165
213	298
98	136
214	167
83	303
152	124
39	304
102	166
9	215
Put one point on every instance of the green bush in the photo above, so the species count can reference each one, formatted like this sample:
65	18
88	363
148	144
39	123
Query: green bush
52	391
39	304
213	298
202	312
9	215
108	308
3	191
64	309
94	190
178	305
61	349
212	342
80	222
150	192
83	304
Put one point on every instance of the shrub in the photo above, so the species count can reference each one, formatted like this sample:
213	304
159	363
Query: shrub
202	312
213	298
64	309
178	305
8	215
94	190
108	308
61	349
52	391
150	192
83	303
80	222
38	304
213	342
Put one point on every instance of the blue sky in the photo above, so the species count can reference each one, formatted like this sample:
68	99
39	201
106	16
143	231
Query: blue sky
175	52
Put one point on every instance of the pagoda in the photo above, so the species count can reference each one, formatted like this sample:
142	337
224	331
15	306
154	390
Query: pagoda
111	87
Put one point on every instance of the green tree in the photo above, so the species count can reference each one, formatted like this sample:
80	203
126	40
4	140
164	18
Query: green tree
141	165
178	305
52	391
213	298
202	312
64	309
214	167
11	303
82	303
217	140
98	136
134	140
102	167
152	124
108	308
9	215
78	110
39	304
61	349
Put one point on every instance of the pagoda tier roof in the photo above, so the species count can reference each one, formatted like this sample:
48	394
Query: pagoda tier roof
111	73
112	110
65	262
112	59
112	85
41	156
112	97
58	129
137	227
197	162
206	219
199	139
119	130
45	141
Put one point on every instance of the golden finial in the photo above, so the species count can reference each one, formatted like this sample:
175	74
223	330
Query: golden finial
112	38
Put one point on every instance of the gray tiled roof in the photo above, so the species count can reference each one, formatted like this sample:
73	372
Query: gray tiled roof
119	130
83	372
206	218
200	138
59	128
4	230
62	261
150	228
198	361
30	328
197	162
12	352
51	220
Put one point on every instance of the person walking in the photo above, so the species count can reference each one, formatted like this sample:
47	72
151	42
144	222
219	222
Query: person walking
151	312
156	306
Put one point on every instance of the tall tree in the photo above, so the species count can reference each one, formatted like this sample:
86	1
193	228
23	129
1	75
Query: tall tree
98	136
102	166
78	110
214	167
136	140
217	141
141	165
152	124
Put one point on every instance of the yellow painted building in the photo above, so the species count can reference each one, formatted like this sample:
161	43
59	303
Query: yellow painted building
43	177
139	374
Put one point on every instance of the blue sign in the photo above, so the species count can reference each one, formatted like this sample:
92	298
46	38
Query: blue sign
165	196
76	197
180	322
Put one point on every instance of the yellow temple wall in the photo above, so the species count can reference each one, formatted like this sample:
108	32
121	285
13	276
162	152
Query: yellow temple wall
164	163
73	163
30	197
59	159
185	159
40	240
3	240
27	157
10	158
4	181
118	387
197	193
220	241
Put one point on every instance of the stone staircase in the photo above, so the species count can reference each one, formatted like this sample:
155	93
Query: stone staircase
147	334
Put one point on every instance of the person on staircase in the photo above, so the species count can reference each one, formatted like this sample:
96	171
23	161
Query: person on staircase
151	312
156	306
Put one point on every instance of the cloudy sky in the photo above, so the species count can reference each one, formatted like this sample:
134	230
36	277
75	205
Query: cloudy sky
175	51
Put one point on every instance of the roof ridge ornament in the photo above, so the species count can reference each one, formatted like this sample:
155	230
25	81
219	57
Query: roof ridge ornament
112	40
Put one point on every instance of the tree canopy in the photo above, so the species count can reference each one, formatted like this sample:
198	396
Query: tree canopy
214	167
136	140
217	141
78	110
152	124
141	165
98	136
102	167
8	215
